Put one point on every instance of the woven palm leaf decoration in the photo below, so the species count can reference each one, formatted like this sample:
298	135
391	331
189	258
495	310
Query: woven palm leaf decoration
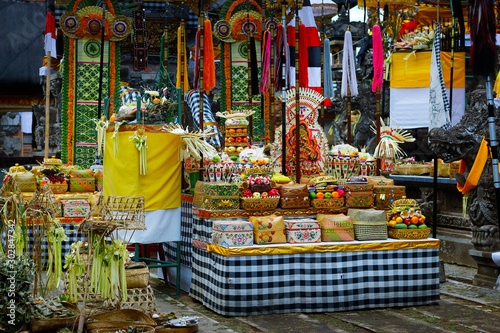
388	147
192	144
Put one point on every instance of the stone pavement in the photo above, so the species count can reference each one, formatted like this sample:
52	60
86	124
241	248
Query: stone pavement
462	308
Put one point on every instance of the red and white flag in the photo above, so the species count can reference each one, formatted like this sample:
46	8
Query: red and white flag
50	35
312	48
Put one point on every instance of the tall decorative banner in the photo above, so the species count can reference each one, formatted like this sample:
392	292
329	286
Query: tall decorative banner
231	31
82	26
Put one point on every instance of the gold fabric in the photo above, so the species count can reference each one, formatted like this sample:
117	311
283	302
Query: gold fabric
289	249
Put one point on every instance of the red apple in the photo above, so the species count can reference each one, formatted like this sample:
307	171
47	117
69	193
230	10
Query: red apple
245	139
238	139
264	194
407	221
246	193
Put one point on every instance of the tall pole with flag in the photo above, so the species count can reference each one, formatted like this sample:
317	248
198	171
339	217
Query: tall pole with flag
50	51
483	58
378	71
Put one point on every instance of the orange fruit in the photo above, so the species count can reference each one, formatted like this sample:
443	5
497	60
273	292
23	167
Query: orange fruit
414	220
335	194
231	131
320	195
112	118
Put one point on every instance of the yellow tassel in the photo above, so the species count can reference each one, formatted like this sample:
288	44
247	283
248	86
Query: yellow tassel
180	70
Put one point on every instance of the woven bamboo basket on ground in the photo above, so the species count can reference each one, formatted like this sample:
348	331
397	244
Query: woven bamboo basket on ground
409	233
137	277
53	324
142	299
114	326
119	318
260	203
331	203
191	329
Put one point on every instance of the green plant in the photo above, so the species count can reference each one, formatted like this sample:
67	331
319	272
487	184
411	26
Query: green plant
16	279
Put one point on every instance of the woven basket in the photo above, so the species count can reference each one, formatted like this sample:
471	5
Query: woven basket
26	181
114	326
370	230
119	318
53	324
235	135
190	329
58	188
260	203
330	203
142	299
137	277
409	233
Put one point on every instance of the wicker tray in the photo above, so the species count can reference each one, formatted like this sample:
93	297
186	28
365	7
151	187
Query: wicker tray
53	324
191	329
260	203
235	126
409	233
119	318
137	277
332	203
238	144
58	188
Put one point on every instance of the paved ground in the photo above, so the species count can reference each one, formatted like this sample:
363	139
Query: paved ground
462	308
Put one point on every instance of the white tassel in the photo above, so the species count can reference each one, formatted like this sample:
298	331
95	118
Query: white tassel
348	68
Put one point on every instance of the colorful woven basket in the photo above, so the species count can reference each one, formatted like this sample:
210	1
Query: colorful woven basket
58	188
409	233
331	203
260	203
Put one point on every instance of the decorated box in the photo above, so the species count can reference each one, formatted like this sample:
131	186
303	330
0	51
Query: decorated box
336	228
303	231
75	207
82	184
294	196
216	196
386	195
232	233
268	229
380	180
359	195
87	173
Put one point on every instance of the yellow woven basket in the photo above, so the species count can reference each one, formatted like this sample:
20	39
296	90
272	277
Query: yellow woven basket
58	188
330	203
409	233
137	277
259	204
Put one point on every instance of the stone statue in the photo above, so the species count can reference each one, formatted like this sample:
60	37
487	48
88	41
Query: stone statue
462	141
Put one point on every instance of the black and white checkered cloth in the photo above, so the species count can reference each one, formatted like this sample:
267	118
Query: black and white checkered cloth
192	98
129	95
315	282
186	237
73	236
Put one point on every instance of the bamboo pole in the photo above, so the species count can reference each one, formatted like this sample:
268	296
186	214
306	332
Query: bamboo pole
297	96
322	110
283	93
47	108
452	60
201	24
349	119
272	120
249	71
183	64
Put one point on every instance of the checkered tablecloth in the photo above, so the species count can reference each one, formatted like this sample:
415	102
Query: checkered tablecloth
73	236
315	282
186	236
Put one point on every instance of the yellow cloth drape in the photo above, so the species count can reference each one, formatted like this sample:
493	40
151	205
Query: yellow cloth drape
496	88
180	47
161	187
476	170
416	71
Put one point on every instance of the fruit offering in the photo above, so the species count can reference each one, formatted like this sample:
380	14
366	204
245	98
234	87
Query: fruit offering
406	214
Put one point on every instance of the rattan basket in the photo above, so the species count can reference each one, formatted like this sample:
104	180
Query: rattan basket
58	188
142	329
137	277
409	233
53	324
260	203
370	230
330	203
